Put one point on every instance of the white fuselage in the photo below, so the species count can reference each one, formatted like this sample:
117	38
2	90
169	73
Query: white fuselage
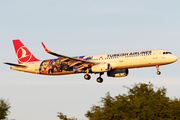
156	57
123	60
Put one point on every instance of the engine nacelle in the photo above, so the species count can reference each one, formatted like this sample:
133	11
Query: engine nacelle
102	67
118	73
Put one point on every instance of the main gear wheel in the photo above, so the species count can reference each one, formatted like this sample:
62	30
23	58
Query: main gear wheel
87	77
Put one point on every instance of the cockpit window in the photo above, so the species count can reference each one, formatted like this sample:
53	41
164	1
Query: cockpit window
167	53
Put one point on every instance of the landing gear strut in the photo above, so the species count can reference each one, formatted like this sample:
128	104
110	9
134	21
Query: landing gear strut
99	79
87	76
158	72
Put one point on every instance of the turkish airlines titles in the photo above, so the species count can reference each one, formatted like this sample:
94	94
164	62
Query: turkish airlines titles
143	53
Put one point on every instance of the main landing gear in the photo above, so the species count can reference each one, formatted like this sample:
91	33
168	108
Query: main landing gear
99	79
87	77
158	72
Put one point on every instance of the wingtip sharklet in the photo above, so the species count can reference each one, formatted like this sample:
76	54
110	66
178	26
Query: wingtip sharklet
45	48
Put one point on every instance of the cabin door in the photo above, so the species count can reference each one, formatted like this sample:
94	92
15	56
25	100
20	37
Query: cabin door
36	67
121	58
155	54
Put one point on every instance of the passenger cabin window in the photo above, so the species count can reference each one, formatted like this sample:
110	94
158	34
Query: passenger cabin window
167	53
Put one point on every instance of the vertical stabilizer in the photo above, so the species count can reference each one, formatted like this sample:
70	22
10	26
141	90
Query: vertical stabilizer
22	53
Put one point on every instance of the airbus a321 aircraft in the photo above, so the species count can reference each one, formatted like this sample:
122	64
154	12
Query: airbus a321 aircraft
115	64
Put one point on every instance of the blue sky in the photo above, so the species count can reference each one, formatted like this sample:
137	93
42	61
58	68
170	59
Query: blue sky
83	28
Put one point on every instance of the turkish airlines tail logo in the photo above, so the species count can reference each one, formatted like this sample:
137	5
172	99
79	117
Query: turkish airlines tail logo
22	53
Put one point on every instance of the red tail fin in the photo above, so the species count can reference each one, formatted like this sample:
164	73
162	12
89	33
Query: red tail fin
22	53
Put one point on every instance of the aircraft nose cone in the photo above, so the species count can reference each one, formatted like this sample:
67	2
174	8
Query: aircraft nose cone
174	58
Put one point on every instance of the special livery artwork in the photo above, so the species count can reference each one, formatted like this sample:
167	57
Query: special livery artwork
113	64
56	66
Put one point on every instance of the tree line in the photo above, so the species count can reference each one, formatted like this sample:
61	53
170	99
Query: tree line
142	102
4	108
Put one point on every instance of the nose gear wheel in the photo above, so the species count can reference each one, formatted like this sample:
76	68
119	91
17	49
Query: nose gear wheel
158	72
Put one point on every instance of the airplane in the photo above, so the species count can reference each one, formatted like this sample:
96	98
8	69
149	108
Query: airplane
115	64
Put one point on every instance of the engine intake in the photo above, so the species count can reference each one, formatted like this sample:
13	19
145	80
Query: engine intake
118	73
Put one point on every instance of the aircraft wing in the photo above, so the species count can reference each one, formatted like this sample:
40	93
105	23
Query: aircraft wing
82	64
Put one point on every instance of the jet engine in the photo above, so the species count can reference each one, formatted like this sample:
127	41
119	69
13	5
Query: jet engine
102	67
118	73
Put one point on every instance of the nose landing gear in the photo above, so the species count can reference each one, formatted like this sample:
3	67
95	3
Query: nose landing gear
158	72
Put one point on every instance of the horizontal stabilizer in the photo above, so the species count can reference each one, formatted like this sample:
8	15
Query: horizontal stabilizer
18	65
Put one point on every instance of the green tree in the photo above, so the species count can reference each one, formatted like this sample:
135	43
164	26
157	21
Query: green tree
141	103
64	117
4	108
